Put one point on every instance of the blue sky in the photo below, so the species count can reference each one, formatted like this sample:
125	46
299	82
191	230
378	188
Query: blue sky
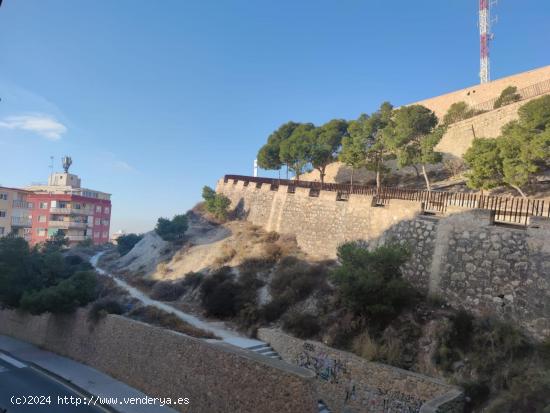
154	99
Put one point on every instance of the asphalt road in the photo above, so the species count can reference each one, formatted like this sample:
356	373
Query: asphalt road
18	380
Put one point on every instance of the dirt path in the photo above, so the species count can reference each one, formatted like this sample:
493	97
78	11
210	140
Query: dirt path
217	328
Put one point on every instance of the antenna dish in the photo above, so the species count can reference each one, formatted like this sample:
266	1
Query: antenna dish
67	162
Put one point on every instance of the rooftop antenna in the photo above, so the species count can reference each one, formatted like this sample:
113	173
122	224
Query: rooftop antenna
67	162
51	165
255	168
485	38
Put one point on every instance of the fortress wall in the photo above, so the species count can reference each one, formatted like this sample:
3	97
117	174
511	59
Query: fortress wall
463	257
460	135
481	93
348	383
215	377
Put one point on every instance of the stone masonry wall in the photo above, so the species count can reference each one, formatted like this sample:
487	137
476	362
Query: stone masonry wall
216	378
351	384
463	257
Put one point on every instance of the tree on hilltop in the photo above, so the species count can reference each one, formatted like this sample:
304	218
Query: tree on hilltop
522	150
507	96
325	142
365	147
459	111
269	154
295	151
412	135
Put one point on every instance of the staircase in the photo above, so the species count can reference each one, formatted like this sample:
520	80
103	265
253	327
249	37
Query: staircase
266	350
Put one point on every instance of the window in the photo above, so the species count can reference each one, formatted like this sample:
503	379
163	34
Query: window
107	210
98	208
30	205
2	229
105	222
3	196
97	234
105	235
98	221
2	214
41	232
42	218
43	205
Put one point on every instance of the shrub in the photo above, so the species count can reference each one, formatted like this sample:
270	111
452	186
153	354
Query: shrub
167	290
219	294
78	290
216	204
192	280
508	95
273	310
371	284
87	243
295	280
172	230
459	111
161	318
125	243
104	306
301	325
454	166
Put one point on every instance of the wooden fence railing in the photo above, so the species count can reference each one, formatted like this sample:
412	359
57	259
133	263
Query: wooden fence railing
510	210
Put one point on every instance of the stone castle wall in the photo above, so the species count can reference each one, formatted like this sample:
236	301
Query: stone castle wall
463	256
351	384
477	94
459	136
161	363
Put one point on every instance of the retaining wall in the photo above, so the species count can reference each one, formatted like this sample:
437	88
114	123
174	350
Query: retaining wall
161	363
351	384
463	256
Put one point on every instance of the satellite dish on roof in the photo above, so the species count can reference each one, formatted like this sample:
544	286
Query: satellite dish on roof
67	162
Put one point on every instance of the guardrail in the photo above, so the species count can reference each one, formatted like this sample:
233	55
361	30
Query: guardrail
508	210
528	92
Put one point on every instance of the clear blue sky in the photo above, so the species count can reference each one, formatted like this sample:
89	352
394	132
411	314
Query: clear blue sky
154	99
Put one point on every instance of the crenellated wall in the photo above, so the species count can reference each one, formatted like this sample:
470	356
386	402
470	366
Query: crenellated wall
462	256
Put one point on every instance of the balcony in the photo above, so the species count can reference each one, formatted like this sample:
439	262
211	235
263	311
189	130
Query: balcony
67	224
77	238
19	204
22	222
71	211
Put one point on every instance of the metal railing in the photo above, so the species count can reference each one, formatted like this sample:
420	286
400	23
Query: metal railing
508	210
21	222
67	224
20	204
528	92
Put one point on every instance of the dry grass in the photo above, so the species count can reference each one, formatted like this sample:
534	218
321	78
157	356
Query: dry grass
156	316
364	346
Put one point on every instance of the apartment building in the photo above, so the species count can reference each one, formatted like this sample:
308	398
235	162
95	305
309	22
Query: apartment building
64	206
15	212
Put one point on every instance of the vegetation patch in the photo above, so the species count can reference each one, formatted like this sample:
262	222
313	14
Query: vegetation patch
41	279
161	318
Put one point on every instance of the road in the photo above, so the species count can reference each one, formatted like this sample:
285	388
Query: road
17	379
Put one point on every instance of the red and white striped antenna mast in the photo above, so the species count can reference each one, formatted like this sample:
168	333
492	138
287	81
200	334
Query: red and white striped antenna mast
485	38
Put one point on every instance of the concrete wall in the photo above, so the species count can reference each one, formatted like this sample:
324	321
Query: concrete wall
463	256
216	378
348	383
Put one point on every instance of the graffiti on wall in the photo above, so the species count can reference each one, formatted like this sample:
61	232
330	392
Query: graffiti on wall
325	367
334	371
